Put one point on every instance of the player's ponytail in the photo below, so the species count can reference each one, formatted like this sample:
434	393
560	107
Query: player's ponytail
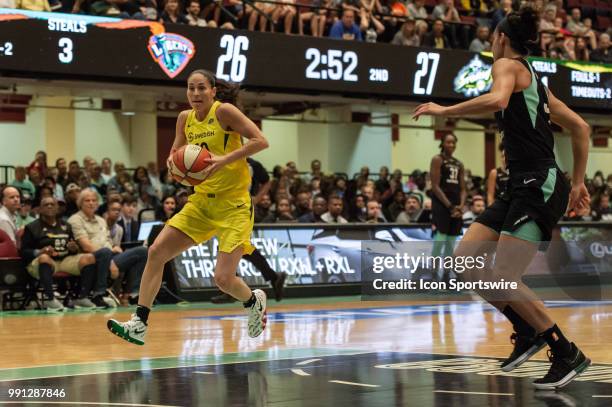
521	27
227	92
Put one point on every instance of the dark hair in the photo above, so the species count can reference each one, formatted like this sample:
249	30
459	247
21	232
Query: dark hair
444	139
128	199
135	175
227	92
521	27
58	160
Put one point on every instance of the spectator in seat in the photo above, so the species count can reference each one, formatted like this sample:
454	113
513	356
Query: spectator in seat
112	215
577	27
24	215
49	247
107	166
74	172
62	172
154	179
40	159
315	171
72	194
447	12
481	42
193	16
11	203
408	34
368	192
58	190
436	38
335	207
302	204
505	7
476	208
346	29
172	13
282	213
319	207
397	206
373	213
358	211
92	235
21	183
129	218
262	208
382	183
547	26
167	209
119	168
581	52
412	210
602	208
417	10
602	53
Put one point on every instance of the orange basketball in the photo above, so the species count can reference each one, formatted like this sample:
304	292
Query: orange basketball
188	164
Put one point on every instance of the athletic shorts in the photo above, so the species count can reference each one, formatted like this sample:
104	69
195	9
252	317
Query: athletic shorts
69	264
532	205
441	218
229	218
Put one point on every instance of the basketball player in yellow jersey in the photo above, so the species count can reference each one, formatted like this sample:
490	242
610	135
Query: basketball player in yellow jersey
221	205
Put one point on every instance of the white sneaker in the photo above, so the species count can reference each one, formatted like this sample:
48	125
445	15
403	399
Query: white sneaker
257	314
53	305
84	303
132	331
110	301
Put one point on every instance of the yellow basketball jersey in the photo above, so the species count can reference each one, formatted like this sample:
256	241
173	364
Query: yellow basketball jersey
209	134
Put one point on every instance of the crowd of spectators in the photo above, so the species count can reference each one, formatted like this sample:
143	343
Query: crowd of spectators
84	219
568	30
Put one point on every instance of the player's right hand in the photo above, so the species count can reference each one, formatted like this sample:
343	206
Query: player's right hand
579	197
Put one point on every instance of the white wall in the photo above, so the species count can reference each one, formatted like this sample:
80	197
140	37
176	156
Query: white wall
417	146
600	159
20	141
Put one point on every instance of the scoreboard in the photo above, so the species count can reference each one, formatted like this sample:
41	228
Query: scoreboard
71	46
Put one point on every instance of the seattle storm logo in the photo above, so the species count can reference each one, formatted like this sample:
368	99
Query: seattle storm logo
474	78
171	51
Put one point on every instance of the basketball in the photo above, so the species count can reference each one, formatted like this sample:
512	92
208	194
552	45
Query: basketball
188	164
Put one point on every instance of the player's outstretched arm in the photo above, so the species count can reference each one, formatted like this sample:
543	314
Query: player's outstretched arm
504	78
581	132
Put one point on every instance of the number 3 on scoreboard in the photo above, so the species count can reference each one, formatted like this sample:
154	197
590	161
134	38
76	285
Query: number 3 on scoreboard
238	62
423	59
66	55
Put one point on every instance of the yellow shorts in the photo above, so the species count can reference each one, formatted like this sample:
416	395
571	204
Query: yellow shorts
69	264
230	218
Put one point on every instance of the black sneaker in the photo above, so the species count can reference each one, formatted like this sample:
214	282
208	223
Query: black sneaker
563	369
279	285
133	300
99	302
222	298
524	348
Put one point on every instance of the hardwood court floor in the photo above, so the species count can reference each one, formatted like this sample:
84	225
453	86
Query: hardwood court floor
334	351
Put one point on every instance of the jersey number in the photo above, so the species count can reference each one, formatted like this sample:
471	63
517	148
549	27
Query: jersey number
454	172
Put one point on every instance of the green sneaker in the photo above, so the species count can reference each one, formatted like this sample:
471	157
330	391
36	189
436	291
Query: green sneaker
132	331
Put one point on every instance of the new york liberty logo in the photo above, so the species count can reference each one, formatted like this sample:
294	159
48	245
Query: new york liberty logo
171	51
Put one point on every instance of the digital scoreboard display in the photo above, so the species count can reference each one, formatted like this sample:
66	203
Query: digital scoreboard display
66	46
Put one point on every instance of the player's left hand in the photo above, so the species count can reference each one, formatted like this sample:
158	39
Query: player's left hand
215	162
579	197
430	108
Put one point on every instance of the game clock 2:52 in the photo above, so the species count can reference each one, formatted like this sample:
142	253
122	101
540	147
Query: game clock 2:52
335	65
